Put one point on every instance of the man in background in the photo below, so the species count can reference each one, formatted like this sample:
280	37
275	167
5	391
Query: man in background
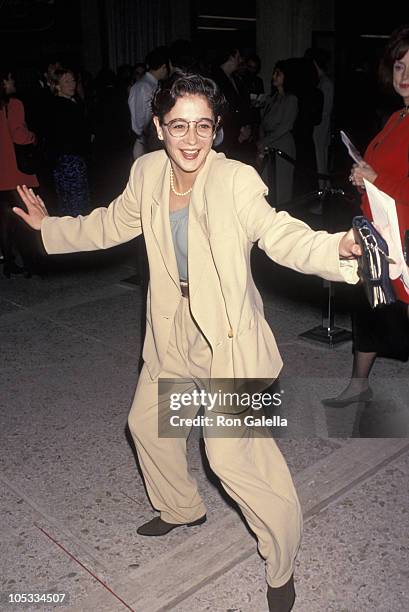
322	131
238	120
140	96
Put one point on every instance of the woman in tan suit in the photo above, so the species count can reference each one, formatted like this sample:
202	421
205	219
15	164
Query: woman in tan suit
201	214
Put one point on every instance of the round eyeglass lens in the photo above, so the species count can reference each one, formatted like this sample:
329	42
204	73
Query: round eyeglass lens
179	127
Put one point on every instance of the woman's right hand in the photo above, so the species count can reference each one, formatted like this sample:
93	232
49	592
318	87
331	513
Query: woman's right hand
35	207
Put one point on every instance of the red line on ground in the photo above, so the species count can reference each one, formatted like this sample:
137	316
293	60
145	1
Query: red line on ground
84	567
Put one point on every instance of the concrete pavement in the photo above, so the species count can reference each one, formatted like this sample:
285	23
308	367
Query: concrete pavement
72	497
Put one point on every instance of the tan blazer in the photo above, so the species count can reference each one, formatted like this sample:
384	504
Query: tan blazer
228	214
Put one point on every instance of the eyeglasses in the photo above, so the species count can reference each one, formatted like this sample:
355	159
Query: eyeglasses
180	127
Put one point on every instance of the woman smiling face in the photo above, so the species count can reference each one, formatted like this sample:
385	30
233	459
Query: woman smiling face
401	77
187	153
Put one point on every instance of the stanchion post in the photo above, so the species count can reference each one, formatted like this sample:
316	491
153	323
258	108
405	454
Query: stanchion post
328	333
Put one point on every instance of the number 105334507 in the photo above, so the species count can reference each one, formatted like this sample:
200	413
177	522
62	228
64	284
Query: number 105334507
40	598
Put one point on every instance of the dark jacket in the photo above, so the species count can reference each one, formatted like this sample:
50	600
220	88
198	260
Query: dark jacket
67	129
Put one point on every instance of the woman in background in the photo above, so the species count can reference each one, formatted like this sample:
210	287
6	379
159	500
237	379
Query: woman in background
13	130
68	143
384	331
277	121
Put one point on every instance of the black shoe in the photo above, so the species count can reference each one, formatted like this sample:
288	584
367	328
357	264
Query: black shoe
158	527
11	268
334	402
281	599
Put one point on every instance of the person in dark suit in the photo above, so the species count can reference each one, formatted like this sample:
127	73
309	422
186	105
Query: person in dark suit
237	124
310	107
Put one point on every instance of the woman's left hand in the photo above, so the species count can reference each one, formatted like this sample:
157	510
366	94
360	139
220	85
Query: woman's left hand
36	210
348	248
362	171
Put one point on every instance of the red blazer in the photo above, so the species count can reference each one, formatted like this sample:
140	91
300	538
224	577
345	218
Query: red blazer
13	129
388	154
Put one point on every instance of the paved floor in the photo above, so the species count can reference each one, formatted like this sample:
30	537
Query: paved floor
72	497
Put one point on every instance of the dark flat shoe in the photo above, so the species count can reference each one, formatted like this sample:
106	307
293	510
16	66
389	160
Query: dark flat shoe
12	268
334	402
282	598
158	527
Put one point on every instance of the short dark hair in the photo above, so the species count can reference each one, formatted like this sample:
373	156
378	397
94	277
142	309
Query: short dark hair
57	76
287	67
226	53
253	57
396	48
183	54
157	57
184	84
50	60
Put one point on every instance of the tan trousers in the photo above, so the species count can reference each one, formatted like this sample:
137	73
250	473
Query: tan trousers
251	469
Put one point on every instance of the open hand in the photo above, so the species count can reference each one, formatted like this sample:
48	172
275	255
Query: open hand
35	207
348	248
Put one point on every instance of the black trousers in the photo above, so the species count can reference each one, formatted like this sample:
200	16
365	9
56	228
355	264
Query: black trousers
16	237
8	225
383	330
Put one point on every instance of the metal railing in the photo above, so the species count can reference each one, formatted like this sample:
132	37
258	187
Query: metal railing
327	332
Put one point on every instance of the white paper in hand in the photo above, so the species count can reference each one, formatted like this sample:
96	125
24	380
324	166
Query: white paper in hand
385	219
352	150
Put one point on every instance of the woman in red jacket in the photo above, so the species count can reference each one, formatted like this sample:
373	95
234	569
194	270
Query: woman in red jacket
13	130
384	331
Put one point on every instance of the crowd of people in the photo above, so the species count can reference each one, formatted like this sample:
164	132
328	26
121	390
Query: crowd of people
85	133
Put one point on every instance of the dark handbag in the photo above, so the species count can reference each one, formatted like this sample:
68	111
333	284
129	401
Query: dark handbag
27	158
373	264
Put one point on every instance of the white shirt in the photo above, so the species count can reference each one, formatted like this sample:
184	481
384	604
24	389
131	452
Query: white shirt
139	102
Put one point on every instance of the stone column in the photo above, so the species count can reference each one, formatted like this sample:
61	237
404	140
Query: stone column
180	26
91	36
285	27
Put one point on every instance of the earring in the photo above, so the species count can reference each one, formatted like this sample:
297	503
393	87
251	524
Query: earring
160	136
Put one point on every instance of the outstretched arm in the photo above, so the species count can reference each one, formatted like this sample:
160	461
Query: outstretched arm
101	229
289	241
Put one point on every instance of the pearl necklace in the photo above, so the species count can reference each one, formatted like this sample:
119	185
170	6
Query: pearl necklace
172	186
